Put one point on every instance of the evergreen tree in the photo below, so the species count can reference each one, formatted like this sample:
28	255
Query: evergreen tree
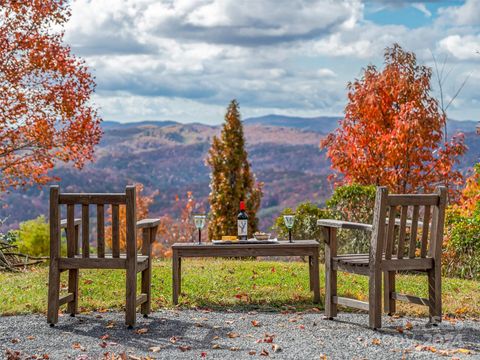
231	179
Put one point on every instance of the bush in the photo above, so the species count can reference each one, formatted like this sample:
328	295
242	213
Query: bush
34	237
348	202
462	244
305	225
353	203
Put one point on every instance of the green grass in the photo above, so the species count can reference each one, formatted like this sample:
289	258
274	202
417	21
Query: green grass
222	284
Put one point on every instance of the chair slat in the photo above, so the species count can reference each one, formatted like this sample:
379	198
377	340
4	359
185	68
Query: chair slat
402	232
413	233
100	231
115	231
71	240
85	231
390	232
425	228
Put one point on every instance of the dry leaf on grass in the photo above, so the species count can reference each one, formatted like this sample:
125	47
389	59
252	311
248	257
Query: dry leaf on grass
141	331
233	335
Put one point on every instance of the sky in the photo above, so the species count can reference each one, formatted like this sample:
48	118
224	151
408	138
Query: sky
184	60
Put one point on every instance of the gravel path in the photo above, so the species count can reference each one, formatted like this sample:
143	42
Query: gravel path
190	334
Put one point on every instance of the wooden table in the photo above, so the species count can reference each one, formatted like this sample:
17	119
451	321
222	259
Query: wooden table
308	248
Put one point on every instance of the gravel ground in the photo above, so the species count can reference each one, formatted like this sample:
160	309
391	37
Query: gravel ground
190	334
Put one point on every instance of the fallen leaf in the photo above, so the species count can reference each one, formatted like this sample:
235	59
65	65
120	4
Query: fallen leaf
155	349
302	327
203	354
408	325
273	269
234	348
400	329
216	346
252	352
88	282
264	353
323	357
216	337
255	323
104	337
30	337
233	335
103	344
15	341
141	331
185	348
276	348
173	339
376	341
110	325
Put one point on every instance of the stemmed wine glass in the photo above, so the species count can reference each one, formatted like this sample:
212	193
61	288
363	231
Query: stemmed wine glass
199	221
289	221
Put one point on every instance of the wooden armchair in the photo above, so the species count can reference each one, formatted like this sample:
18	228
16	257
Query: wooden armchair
390	253
75	260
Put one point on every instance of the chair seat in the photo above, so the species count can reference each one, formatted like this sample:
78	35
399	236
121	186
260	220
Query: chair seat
140	258
363	261
94	262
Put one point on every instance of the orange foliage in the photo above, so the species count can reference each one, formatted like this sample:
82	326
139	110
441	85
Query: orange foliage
143	203
470	198
392	131
177	230
45	115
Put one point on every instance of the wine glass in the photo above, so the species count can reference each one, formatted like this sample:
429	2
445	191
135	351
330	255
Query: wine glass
289	221
199	221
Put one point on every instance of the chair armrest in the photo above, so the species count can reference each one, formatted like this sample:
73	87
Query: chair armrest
63	223
148	223
340	224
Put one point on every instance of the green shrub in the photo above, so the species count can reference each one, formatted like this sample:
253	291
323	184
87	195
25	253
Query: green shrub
353	203
348	202
34	237
462	245
305	225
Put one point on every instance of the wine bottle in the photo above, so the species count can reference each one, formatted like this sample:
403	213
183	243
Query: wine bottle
242	222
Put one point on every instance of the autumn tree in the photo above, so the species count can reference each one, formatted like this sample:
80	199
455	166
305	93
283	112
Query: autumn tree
231	179
45	112
143	203
392	130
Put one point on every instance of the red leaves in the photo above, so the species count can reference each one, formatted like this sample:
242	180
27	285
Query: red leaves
46	117
392	133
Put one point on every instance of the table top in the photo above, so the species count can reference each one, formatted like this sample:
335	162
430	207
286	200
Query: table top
279	244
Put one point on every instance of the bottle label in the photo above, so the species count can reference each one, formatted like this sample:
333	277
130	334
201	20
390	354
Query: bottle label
242	227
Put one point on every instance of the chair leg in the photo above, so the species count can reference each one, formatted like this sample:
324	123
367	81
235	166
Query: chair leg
389	288
330	291
375	300
147	288
435	295
131	298
72	307
53	294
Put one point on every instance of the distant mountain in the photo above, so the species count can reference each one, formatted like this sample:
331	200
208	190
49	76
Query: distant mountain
321	124
326	124
170	157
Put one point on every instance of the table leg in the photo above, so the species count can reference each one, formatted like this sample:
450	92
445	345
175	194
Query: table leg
310	269
179	275
315	279
175	277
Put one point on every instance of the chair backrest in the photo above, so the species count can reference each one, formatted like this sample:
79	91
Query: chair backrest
87	201
408	225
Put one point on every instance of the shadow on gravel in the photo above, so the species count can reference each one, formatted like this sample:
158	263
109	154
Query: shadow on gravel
160	332
449	335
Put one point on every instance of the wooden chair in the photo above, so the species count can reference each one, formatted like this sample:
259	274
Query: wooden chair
390	253
75	260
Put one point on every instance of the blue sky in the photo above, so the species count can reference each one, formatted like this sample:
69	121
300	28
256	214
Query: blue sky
184	60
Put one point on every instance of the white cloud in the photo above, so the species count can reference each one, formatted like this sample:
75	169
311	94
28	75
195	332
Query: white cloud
422	8
465	14
185	59
462	47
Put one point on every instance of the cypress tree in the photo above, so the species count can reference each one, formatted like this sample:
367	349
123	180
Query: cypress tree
231	179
